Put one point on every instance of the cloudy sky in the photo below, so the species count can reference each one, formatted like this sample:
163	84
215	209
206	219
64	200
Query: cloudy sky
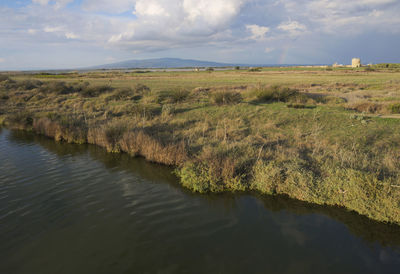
78	33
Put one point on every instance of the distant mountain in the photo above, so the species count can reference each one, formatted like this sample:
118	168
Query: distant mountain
161	63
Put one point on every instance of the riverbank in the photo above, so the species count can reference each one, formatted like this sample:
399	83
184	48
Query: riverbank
231	134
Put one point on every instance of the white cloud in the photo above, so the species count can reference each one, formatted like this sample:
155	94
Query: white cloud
57	4
294	28
257	32
213	12
168	23
41	2
114	6
71	35
2	60
52	29
32	31
269	50
150	8
346	17
376	13
110	59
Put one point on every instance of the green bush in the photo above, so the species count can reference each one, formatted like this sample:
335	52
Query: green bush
211	176
196	177
226	97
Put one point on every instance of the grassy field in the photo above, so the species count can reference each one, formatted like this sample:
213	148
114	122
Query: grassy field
322	136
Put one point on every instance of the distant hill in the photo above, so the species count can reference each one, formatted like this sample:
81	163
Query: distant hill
161	63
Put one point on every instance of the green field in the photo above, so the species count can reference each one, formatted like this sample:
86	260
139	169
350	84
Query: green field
322	136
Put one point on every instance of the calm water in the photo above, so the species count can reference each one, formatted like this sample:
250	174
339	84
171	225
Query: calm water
76	209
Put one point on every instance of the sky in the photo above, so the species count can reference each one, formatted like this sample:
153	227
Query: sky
57	34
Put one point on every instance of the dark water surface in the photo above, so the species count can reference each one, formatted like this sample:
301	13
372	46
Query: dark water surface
76	209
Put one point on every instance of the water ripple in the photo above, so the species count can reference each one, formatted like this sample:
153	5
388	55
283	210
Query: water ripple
91	212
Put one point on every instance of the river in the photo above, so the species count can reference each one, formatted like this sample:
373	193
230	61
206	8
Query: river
77	209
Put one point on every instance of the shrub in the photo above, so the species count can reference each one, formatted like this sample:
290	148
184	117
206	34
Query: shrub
4	78
121	94
74	129
173	96
367	107
47	127
214	171
56	87
226	97
113	133
167	109
96	91
299	106
254	69
79	87
332	100
29	84
141	89
137	142
20	120
395	108
196	177
141	110
275	93
71	129
107	136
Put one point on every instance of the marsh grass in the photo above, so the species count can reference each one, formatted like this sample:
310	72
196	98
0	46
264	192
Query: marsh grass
395	108
273	132
20	120
173	96
276	93
225	97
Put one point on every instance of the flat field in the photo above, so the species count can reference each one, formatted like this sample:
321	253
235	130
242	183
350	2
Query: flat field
323	136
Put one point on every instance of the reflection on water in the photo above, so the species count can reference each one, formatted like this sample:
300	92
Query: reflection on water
77	209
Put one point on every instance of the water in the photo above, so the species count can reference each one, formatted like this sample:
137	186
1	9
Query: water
76	209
